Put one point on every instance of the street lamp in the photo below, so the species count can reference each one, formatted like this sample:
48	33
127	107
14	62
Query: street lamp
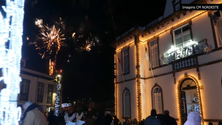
57	103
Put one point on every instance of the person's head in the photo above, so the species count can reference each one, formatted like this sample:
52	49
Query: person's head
219	123
193	118
166	112
129	120
51	112
134	120
108	113
210	123
115	117
27	104
70	109
153	112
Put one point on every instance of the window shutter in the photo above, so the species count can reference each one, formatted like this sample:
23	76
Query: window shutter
154	54
219	27
159	103
126	60
153	58
126	104
157	100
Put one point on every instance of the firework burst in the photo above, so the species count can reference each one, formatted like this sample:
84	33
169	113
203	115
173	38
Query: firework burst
50	40
87	43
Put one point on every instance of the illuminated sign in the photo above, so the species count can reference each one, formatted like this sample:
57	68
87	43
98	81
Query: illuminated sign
189	49
66	105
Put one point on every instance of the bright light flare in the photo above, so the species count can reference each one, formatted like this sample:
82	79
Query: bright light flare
39	23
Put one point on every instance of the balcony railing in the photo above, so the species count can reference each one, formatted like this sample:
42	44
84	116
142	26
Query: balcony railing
185	63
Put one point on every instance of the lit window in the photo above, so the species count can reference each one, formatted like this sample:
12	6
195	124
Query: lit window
50	92
157	99
24	90
182	36
40	92
126	103
154	57
125	55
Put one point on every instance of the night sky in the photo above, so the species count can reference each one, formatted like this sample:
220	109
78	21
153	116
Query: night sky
88	74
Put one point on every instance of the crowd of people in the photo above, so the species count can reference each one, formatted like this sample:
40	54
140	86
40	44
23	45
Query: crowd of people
34	115
193	118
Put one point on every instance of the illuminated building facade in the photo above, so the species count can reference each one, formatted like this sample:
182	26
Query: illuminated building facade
36	87
181	71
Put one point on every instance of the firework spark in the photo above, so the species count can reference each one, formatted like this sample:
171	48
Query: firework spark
39	23
87	44
73	35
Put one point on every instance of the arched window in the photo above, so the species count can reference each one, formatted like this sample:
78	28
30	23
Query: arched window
126	104
157	99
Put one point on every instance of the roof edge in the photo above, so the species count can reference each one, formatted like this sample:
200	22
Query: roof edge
132	31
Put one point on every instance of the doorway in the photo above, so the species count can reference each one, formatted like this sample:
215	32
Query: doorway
189	99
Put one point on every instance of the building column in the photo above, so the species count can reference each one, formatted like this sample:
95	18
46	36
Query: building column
138	82
115	85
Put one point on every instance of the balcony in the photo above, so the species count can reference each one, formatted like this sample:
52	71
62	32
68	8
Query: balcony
186	56
184	63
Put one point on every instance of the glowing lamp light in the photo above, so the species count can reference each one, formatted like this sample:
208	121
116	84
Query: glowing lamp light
173	48
10	60
58	77
191	43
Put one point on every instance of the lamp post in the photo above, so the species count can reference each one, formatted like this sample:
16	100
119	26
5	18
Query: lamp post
57	103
